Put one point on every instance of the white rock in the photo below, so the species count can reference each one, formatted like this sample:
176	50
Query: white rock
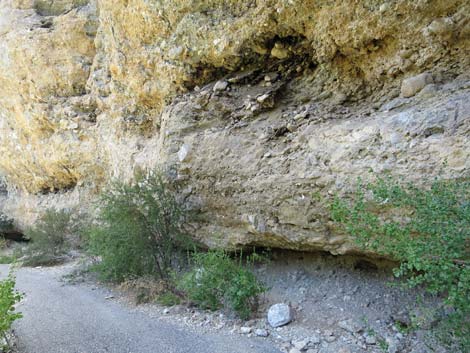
175	52
371	340
413	85
279	315
184	154
245	330
220	86
260	332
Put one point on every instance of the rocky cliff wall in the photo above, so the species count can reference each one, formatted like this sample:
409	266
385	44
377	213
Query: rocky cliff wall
255	107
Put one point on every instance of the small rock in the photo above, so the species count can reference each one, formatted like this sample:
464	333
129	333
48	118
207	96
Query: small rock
245	330
175	52
301	345
279	315
279	51
262	98
315	339
220	86
295	350
184	154
371	340
261	332
428	91
351	326
413	85
330	339
166	311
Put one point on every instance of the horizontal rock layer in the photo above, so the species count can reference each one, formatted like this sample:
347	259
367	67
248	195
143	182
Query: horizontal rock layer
258	108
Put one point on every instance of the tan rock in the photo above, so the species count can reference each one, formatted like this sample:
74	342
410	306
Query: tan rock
93	90
413	85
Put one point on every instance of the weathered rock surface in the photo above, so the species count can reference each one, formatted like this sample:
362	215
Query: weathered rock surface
279	315
258	109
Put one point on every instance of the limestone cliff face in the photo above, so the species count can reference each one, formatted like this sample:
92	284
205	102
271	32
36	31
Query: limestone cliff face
255	107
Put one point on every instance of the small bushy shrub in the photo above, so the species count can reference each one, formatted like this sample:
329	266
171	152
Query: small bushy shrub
217	280
8	298
168	298
49	238
427	230
138	229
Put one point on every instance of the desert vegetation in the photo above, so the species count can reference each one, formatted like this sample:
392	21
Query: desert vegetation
138	233
426	229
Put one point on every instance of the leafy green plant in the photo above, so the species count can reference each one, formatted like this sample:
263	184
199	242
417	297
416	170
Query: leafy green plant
137	231
168	299
8	298
217	280
426	229
49	238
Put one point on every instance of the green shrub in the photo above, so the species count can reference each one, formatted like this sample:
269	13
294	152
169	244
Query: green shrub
6	224
49	238
168	299
138	229
427	230
8	298
217	280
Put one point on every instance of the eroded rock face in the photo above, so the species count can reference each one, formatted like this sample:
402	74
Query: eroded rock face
259	108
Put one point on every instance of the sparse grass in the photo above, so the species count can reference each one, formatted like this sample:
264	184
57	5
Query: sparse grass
383	345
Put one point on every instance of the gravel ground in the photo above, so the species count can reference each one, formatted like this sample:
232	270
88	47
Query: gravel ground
82	318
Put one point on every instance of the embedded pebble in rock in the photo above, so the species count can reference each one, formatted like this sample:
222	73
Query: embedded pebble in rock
220	86
413	85
279	51
261	332
279	315
184	154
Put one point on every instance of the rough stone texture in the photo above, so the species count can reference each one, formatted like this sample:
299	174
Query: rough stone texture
279	315
414	84
96	89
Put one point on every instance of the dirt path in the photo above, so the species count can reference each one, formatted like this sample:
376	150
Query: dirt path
64	318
